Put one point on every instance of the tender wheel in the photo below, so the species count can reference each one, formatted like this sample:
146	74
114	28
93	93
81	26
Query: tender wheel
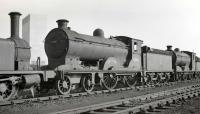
198	75
87	84
156	79
167	78
149	80
183	77
153	79
63	86
130	80
178	77
109	81
189	77
194	76
7	90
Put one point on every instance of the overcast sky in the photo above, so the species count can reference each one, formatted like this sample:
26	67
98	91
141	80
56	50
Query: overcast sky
157	22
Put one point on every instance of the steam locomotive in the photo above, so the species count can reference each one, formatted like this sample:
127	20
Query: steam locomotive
82	61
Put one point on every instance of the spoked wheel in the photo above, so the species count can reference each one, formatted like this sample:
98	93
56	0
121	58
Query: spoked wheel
183	77
63	86
178	77
198	75
109	81
164	78
130	80
149	80
167	78
194	76
156	79
153	80
87	84
7	90
189	77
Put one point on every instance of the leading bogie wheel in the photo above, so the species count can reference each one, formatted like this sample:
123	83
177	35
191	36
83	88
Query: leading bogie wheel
7	90
87	83
109	81
63	86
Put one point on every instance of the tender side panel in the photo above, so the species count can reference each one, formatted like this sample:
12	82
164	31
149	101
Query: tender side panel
197	66
157	62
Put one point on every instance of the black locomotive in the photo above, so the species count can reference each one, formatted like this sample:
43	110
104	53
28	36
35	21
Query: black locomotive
81	61
15	70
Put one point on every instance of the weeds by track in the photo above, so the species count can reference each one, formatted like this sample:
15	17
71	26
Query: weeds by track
140	103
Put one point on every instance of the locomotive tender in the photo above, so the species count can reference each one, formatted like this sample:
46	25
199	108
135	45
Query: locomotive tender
82	61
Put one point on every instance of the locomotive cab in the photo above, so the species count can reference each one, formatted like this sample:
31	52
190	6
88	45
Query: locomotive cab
133	59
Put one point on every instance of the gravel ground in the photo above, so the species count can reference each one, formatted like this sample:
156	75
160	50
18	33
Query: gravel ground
57	105
189	107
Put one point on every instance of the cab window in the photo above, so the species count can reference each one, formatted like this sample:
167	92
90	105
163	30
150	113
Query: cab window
135	46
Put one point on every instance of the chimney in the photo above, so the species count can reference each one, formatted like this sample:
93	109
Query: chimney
14	19
62	23
169	48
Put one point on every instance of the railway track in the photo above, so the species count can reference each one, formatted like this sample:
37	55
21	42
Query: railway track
143	103
56	97
60	103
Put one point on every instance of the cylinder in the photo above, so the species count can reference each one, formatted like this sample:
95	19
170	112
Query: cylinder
30	80
62	23
14	19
